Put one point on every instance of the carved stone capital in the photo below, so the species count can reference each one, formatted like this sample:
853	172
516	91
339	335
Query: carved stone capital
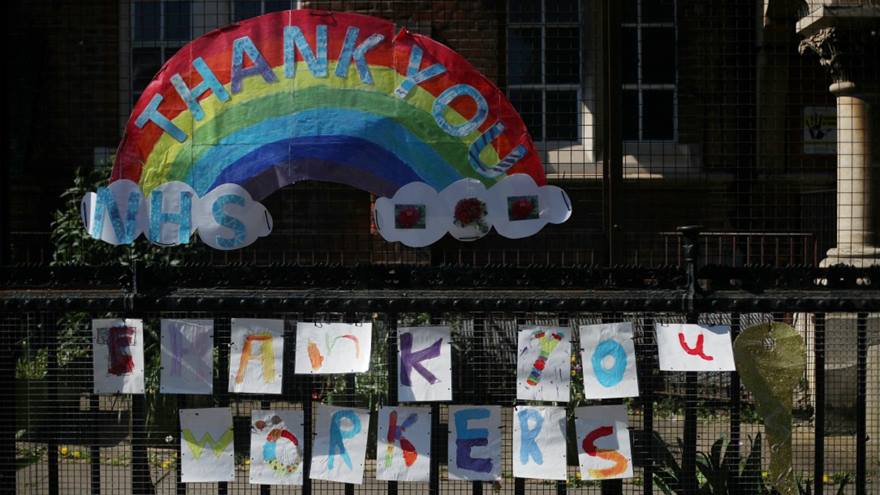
848	54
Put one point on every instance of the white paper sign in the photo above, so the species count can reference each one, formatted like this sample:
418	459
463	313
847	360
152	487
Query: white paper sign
603	445
689	347
118	356
326	348
187	357
403	444
474	443
543	365
340	446
206	445
608	356
256	356
424	371
277	446
539	443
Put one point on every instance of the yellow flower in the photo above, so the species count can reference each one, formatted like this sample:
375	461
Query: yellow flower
63	451
76	454
247	462
573	373
764	474
577	475
826	479
166	464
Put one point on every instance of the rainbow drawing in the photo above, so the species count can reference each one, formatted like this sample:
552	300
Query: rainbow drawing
310	95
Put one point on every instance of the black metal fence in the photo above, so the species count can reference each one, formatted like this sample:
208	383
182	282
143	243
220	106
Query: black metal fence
68	440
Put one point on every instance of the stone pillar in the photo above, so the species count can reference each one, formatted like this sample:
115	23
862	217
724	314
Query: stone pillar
846	37
850	55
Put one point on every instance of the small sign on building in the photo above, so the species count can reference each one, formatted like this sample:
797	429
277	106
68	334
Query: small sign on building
820	130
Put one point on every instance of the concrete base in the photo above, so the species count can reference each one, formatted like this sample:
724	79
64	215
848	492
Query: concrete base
859	257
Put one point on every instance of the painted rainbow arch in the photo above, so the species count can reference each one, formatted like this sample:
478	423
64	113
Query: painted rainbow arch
311	95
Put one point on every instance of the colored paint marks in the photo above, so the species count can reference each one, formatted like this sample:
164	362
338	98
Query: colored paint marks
403	445
603	442
475	443
609	361
340	445
206	445
692	347
424	371
187	357
539	449
255	358
277	447
118	356
543	364
328	348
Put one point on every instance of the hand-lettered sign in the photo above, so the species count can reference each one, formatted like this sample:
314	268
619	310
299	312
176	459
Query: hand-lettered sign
543	364
256	357
603	444
609	361
690	347
118	356
307	95
206	445
539	442
187	357
340	444
474	443
424	372
325	348
277	447
403	444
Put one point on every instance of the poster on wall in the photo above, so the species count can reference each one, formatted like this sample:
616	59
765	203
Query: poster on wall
256	357
539	448
403	444
327	348
206	445
187	357
603	443
692	347
340	447
118	356
543	364
424	372
820	130
608	356
277	446
474	450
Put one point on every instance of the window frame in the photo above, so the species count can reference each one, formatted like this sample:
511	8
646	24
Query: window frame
543	86
640	87
167	47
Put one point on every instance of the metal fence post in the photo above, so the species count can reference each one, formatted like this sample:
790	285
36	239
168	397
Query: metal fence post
689	453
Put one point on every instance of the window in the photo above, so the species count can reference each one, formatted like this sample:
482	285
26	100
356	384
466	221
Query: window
649	70
544	66
159	29
245	9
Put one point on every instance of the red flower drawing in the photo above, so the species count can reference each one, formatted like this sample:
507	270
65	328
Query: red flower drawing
522	208
408	217
471	211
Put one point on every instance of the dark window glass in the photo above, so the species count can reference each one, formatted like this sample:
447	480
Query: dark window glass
658	55
524	56
658	10
630	117
145	63
657	110
177	20
628	11
528	103
170	51
245	9
629	64
277	6
562	10
562	115
146	21
525	11
562	55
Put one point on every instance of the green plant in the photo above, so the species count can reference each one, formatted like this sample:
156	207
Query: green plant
717	471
